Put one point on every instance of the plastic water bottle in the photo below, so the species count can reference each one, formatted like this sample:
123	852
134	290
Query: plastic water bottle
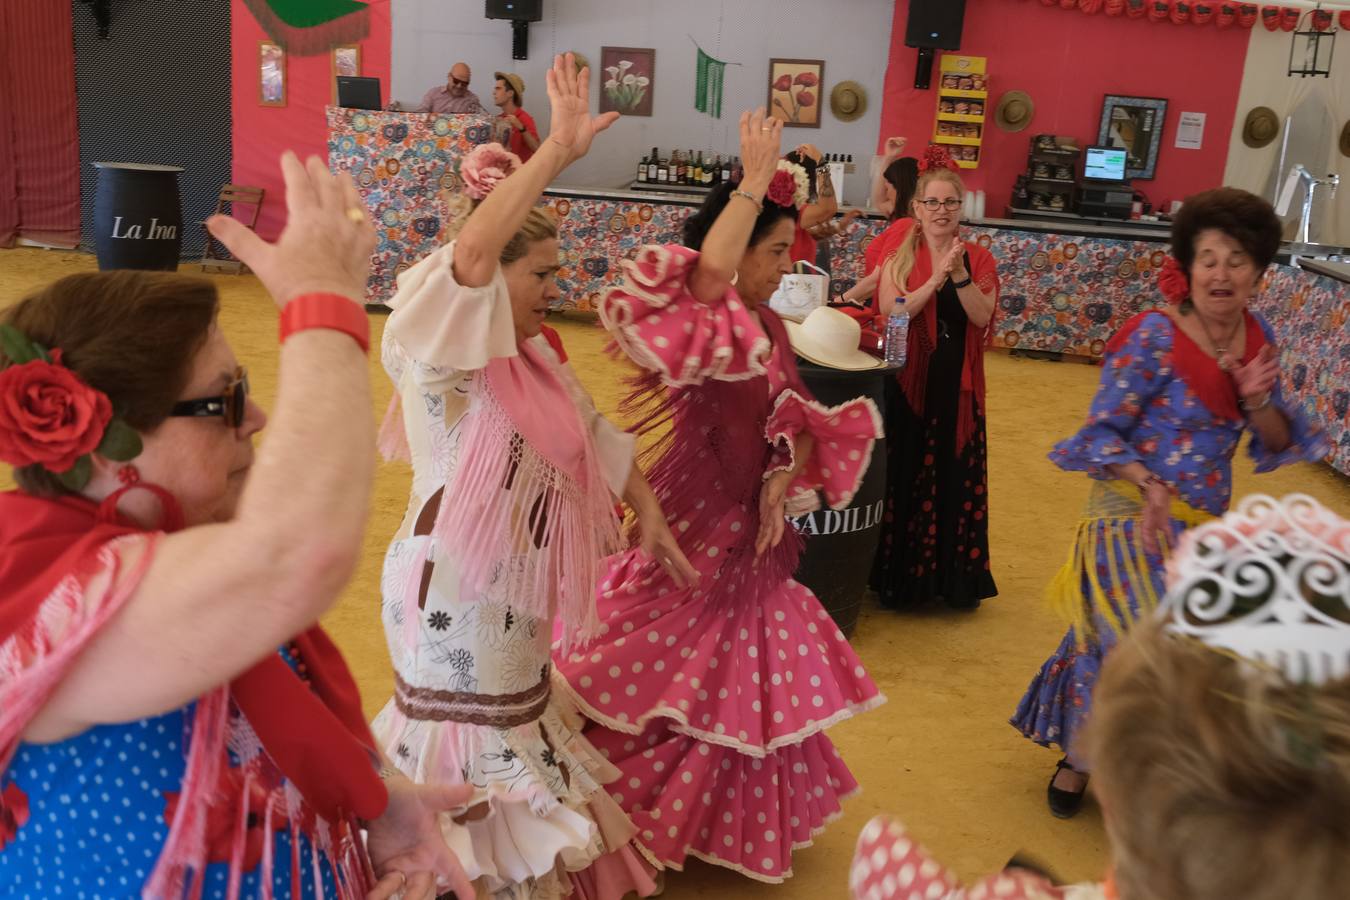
897	336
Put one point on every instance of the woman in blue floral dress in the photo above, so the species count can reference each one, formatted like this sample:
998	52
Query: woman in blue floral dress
1178	389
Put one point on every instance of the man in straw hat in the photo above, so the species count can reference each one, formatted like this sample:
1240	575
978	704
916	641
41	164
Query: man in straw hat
509	94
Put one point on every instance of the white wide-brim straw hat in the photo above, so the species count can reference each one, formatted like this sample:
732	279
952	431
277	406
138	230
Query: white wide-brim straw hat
830	338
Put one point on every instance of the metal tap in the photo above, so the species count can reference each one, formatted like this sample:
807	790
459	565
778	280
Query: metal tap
1311	183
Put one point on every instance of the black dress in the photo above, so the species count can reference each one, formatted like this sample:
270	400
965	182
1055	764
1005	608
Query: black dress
935	530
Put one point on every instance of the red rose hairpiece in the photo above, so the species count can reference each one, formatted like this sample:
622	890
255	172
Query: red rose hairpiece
485	167
782	189
935	156
1172	281
50	417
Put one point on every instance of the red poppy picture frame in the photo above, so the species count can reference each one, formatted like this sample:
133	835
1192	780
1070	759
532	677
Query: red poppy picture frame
795	87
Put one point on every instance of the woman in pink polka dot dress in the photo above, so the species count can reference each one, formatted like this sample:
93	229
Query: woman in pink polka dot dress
712	698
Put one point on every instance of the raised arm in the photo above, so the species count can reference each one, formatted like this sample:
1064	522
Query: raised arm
572	128
729	236
217	598
894	147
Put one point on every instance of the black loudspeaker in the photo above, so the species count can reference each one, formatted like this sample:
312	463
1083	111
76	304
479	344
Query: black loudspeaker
935	24
520	10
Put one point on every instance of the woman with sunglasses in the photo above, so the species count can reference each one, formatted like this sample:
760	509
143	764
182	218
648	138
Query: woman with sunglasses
935	533
171	720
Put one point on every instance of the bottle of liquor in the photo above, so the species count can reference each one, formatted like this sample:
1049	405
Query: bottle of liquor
642	170
708	168
652	162
681	169
724	173
737	170
663	171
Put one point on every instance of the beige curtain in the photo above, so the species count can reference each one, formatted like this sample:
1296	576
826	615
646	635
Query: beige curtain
1319	107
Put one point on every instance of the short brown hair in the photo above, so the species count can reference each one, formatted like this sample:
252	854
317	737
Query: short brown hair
131	335
1243	216
1218	782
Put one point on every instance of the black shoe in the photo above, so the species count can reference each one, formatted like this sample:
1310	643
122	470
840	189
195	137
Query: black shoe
1063	804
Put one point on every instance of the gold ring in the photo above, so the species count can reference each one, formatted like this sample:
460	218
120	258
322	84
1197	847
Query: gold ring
357	214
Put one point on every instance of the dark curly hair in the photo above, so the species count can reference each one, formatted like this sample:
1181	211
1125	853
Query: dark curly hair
697	225
1244	217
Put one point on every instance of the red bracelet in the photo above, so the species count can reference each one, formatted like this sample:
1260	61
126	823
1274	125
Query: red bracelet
332	311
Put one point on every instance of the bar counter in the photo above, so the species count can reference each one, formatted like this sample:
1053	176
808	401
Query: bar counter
1067	284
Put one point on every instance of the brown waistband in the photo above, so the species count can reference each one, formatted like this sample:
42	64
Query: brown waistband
495	710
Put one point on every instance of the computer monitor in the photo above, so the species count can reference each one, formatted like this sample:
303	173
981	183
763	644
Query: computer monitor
358	93
1104	163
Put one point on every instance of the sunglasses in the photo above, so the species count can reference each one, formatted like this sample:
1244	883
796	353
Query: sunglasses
458	82
231	404
951	204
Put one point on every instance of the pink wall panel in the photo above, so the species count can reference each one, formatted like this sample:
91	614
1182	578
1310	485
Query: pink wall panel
1067	61
262	133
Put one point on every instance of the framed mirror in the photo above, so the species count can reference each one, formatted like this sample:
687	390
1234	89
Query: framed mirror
1134	124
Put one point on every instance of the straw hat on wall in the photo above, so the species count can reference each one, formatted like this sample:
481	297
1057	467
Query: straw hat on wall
1260	128
848	101
1015	111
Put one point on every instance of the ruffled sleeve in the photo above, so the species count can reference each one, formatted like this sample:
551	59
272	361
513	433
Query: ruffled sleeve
664	329
1307	441
844	438
1132	376
445	327
615	448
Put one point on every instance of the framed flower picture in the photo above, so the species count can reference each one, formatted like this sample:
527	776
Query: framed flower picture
629	82
1134	124
345	61
271	74
794	91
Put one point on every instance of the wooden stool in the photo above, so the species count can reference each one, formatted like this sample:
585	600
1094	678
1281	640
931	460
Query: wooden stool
242	202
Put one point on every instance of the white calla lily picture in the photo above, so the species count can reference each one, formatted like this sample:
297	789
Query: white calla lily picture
627	86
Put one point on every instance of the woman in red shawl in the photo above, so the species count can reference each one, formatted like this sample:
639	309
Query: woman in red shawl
172	723
935	533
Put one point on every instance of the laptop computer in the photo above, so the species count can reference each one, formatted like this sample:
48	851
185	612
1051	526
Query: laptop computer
358	93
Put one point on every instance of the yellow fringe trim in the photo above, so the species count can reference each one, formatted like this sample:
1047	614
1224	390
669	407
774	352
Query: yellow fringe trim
1111	505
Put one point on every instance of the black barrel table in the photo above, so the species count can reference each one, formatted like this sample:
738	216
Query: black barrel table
840	543
138	219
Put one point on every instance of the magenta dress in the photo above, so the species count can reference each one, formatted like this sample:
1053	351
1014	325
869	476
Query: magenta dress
712	701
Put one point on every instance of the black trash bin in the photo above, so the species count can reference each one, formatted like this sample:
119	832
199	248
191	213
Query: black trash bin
840	544
138	220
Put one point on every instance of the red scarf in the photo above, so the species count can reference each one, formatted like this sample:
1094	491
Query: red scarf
1198	369
922	341
318	738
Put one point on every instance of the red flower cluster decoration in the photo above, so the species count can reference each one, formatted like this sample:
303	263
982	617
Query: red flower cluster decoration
782	188
49	417
1172	281
936	156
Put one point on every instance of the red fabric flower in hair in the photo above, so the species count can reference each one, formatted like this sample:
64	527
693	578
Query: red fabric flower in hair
936	156
782	189
13	812
1172	281
48	416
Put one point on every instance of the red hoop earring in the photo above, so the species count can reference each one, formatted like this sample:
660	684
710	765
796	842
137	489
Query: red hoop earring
130	476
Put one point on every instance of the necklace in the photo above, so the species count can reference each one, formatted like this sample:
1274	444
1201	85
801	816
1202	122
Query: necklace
1220	350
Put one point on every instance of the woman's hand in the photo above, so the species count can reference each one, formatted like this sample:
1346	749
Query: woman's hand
761	144
571	124
772	511
406	847
894	147
659	543
326	245
1257	379
1157	519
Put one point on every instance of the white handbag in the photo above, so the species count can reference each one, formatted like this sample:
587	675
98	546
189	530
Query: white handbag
799	293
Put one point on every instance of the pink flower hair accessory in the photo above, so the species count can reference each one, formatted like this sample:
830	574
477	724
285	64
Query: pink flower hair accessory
485	167
1172	281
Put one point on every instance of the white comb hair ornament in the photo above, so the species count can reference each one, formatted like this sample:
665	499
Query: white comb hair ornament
1270	582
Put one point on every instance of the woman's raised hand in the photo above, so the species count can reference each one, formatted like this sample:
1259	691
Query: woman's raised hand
572	124
326	245
761	142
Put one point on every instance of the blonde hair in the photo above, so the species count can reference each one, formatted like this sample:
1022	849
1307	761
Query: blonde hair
1219	781
539	225
902	261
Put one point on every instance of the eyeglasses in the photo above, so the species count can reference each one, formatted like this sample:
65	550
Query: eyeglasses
231	404
951	204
